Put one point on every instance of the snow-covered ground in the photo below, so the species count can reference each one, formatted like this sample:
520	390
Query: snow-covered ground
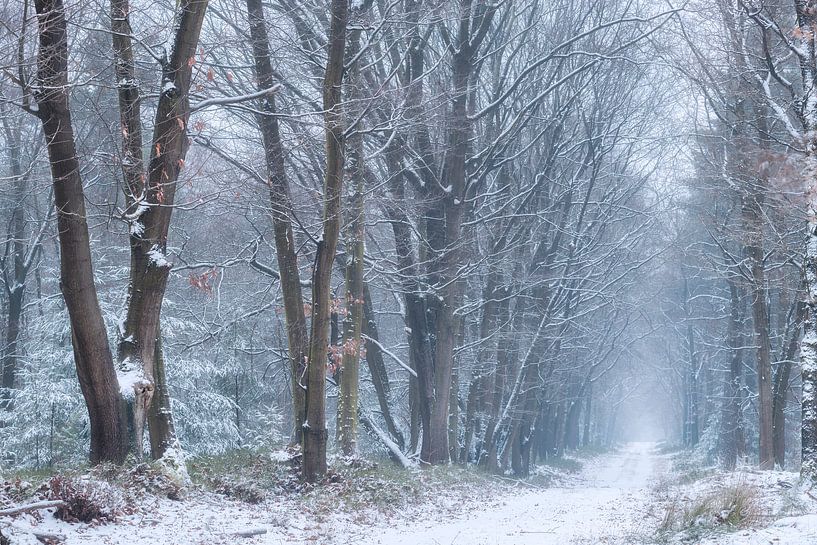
607	503
618	498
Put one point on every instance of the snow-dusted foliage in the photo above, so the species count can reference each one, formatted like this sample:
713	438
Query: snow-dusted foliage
49	423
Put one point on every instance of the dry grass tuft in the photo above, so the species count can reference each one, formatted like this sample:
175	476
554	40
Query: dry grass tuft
728	508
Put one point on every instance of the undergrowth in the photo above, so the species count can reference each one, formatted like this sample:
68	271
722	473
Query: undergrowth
725	509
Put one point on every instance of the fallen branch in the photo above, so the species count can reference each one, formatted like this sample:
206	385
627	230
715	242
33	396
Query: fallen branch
386	351
394	451
11	511
49	538
250	533
44	537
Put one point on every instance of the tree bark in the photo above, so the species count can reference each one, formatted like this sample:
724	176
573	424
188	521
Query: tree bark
281	207
151	197
92	355
691	416
504	349
447	256
421	389
752	215
730	419
18	269
781	384
808	348
352	344
160	414
478	388
315	435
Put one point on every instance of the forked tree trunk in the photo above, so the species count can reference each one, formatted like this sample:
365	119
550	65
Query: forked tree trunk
92	354
150	198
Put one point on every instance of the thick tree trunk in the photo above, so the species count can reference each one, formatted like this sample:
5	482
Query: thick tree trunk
314	452
160	413
151	201
92	355
447	257
281	207
808	345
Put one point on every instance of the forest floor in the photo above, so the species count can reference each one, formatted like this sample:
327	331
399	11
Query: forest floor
636	495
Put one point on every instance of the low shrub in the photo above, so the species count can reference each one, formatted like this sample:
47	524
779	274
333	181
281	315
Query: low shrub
85	500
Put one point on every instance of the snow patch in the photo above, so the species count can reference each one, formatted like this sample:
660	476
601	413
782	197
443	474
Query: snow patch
158	258
174	464
130	375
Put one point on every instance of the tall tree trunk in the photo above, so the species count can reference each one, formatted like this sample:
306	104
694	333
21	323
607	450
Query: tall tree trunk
504	348
730	419
447	258
806	19
18	269
92	355
752	215
421	388
691	416
355	297
781	384
808	345
281	207
587	415
315	435
150	199
478	387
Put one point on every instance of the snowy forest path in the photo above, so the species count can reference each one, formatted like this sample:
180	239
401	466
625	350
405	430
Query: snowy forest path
608	503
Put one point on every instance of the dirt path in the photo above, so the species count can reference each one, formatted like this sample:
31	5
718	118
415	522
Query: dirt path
608	504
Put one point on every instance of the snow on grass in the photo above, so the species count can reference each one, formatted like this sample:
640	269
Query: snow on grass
708	506
354	504
174	464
